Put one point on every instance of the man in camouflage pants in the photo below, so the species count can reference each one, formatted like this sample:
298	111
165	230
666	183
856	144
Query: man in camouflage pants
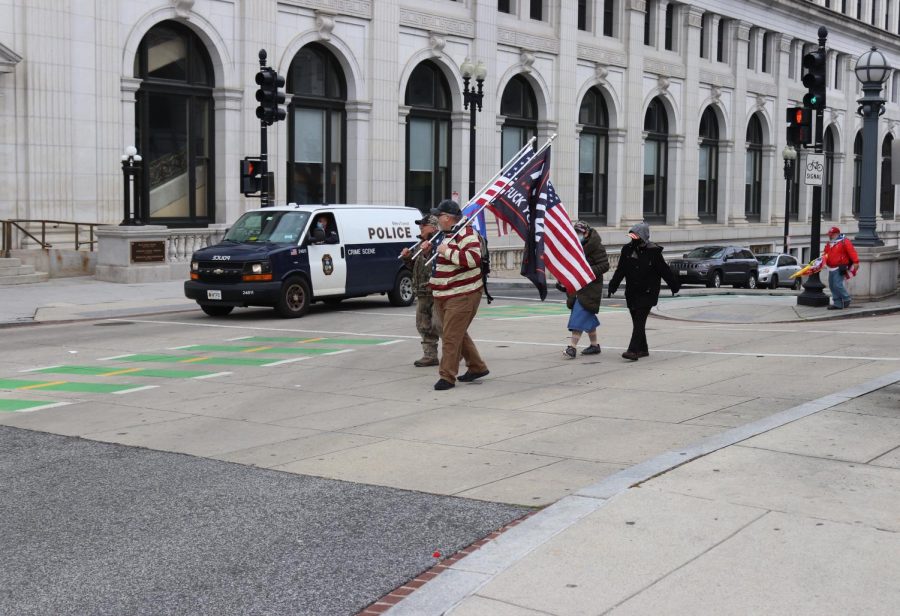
427	321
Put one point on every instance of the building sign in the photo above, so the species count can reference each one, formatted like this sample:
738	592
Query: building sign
815	169
148	252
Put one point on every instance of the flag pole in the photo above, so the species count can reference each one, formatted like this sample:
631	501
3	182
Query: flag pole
465	222
503	170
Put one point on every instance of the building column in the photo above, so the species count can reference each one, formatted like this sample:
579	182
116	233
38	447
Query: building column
356	167
484	48
564	95
726	181
386	160
633	37
616	168
782	84
738	171
689	150
228	112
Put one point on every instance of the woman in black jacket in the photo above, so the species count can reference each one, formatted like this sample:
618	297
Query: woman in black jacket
642	266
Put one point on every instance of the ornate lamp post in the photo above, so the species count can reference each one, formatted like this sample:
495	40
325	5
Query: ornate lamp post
871	70
789	154
131	172
471	100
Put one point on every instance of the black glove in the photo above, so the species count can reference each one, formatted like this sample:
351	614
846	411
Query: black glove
675	290
561	288
610	292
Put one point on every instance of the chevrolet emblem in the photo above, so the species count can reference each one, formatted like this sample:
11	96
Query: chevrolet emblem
218	271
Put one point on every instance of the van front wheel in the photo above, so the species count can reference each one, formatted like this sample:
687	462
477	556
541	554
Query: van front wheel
402	294
294	299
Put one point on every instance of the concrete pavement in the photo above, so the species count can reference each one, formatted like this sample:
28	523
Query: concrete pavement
807	399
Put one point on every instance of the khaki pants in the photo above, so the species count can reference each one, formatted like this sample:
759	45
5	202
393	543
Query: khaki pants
429	325
456	314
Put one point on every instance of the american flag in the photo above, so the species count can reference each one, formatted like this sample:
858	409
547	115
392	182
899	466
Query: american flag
529	204
490	194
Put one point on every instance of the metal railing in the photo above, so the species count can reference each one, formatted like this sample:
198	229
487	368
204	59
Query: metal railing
6	235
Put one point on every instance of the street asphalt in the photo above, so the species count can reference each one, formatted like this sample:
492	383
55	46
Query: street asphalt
96	528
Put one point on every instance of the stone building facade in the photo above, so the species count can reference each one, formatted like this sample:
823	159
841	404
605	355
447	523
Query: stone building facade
666	111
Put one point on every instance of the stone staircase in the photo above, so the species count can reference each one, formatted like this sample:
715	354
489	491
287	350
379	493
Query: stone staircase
13	272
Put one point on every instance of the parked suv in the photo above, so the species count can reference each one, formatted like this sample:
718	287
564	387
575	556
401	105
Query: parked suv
717	265
775	270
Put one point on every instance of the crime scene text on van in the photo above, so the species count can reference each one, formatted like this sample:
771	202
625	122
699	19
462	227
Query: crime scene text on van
389	233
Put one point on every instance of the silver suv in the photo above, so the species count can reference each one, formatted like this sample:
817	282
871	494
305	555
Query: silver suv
775	270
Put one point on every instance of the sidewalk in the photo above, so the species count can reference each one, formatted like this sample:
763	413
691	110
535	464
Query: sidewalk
796	519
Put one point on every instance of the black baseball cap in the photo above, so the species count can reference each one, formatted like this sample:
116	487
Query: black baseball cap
447	206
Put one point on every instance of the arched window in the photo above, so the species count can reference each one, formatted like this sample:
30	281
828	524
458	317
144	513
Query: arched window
857	172
887	187
708	168
427	137
828	180
753	170
656	155
174	127
519	109
593	148
316	128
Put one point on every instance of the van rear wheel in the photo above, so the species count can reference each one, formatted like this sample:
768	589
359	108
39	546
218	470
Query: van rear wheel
293	302
402	294
215	310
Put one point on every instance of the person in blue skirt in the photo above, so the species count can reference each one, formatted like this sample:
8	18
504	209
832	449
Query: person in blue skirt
585	304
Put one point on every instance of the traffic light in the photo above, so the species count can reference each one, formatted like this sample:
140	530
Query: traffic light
250	176
269	96
814	79
799	126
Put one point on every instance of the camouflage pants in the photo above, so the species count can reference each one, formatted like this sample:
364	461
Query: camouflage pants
428	324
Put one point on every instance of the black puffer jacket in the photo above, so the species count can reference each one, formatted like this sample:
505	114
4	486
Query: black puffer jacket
642	266
591	294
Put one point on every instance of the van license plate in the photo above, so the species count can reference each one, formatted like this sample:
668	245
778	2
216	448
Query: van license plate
682	272
213	295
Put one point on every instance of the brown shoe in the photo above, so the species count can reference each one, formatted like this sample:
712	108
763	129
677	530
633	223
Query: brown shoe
643	354
425	362
631	355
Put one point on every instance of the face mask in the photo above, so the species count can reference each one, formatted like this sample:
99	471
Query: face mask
581	237
320	225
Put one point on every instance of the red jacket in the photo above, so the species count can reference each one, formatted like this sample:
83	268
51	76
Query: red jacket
840	252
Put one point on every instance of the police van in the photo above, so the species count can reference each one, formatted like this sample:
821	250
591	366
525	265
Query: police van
290	256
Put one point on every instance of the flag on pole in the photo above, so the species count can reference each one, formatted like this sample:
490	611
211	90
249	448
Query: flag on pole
491	192
530	206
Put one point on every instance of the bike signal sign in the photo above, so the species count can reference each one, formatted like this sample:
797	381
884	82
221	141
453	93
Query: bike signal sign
815	169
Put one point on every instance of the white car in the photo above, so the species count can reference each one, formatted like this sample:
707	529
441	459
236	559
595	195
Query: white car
775	271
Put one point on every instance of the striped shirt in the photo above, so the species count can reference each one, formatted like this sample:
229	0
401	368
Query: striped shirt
459	273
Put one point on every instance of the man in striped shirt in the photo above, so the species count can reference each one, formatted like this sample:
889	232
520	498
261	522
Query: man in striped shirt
456	286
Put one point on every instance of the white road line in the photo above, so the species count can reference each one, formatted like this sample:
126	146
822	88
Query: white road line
42	407
283	361
726	328
39	369
521	342
537	316
210	376
388	342
238	338
134	389
531	299
337	352
180	348
116	357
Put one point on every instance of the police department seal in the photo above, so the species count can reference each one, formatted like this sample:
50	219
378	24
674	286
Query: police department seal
327	265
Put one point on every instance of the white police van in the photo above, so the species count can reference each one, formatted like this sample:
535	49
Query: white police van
276	256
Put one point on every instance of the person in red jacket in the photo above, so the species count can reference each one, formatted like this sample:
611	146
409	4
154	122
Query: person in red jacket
842	262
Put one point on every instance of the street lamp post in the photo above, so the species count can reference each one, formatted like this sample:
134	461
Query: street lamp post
472	101
131	172
871	70
789	154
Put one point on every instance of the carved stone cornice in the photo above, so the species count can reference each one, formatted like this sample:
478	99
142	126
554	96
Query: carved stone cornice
743	30
784	42
717	79
356	8
637	5
663	69
8	59
602	56
437	23
760	87
694	17
515	38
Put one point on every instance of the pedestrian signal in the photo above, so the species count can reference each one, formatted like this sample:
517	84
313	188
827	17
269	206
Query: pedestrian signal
251	170
799	126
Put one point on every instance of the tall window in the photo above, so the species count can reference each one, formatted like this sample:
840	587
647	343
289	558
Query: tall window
887	187
766	43
609	17
519	108
656	154
708	169
753	171
316	128
857	172
649	12
174	127
720	41
427	137
582	15
703	36
670	27
593	149
537	9
504	6
828	180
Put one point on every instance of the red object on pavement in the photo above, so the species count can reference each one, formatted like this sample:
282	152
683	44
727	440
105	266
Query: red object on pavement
436	554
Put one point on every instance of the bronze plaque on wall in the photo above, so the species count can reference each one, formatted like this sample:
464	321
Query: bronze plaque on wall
148	252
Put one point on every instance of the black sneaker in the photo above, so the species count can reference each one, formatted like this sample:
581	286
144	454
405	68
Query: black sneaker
594	349
470	376
444	384
570	352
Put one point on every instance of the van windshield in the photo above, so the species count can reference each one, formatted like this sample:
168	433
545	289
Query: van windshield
706	252
278	227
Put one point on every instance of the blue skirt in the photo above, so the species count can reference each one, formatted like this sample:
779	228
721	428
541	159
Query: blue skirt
581	320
